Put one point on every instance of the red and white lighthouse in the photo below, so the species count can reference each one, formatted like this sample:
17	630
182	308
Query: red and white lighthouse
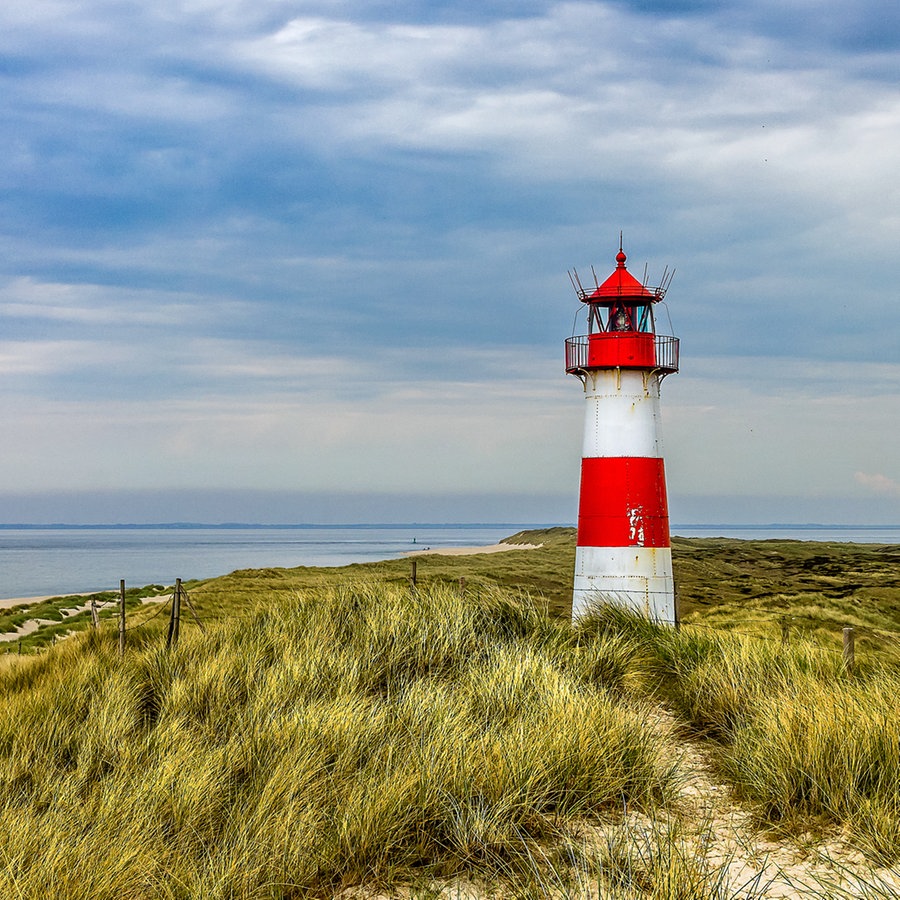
623	554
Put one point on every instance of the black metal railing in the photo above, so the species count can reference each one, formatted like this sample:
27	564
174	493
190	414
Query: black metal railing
576	352
667	349
665	345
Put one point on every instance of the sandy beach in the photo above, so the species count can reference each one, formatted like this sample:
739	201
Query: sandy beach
470	551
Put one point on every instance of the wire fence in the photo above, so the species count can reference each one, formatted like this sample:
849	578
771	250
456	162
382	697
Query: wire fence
785	623
170	602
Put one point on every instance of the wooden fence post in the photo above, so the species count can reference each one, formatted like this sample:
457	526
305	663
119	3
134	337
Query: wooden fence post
178	591
462	587
175	619
122	617
95	619
412	578
785	630
849	648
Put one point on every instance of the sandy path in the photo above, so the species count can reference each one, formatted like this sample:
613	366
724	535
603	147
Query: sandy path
716	835
725	834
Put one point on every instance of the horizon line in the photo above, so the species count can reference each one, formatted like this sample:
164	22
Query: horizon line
225	525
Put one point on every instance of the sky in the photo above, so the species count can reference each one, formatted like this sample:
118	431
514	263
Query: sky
286	261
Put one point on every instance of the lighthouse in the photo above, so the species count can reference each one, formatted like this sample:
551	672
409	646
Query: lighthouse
623	553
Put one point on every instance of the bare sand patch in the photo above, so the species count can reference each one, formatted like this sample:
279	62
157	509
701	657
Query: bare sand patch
28	601
31	625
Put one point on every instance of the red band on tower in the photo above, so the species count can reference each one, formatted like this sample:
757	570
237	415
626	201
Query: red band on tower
623	503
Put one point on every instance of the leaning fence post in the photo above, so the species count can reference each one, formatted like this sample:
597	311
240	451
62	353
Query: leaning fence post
785	630
849	648
122	617
95	619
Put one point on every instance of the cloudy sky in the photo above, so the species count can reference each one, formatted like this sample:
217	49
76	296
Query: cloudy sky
286	261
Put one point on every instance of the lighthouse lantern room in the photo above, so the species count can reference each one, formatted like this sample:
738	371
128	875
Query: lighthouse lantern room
623	551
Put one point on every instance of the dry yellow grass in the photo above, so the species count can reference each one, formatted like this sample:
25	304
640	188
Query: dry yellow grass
335	729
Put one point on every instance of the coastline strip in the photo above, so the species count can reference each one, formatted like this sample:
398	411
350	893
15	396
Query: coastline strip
470	551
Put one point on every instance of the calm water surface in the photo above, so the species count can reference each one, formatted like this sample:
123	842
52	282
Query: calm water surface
39	561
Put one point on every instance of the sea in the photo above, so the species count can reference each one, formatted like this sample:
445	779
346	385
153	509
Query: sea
69	559
54	560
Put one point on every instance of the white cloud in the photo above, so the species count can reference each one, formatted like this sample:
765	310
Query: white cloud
878	484
690	98
46	357
93	304
400	441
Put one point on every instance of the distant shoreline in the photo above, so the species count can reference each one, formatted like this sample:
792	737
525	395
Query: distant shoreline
230	526
9	602
246	526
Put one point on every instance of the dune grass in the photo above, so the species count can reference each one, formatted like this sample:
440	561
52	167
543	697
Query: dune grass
812	588
360	735
334	728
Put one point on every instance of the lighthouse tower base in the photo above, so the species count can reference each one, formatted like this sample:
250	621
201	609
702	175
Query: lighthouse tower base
642	581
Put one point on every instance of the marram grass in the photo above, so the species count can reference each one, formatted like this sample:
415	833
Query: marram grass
828	750
806	742
365	735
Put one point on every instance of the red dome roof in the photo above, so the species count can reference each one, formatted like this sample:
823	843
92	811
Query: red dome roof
621	284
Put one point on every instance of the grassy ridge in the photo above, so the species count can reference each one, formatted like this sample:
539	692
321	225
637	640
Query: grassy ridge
749	586
815	587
